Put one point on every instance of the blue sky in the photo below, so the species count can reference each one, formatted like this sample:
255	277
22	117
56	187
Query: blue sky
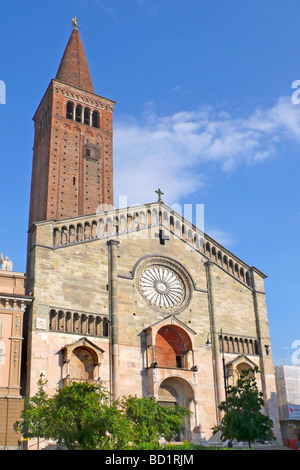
204	111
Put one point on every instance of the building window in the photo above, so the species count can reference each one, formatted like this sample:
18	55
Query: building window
95	119
172	348
70	107
105	327
87	113
78	114
234	345
73	322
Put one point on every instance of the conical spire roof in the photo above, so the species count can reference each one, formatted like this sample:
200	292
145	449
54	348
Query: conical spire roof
73	68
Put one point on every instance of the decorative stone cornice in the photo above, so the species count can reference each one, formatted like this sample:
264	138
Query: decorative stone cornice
126	221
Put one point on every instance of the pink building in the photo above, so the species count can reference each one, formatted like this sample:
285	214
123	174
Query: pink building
13	303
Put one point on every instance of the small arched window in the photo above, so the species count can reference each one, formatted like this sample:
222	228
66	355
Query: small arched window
87	116
105	327
79	233
236	270
70	107
71	234
87	231
56	237
78	113
64	235
61	321
53	320
95	119
225	261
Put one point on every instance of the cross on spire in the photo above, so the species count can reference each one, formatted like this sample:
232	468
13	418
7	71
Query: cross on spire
160	193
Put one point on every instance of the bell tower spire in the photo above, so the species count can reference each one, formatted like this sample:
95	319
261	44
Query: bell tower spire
73	68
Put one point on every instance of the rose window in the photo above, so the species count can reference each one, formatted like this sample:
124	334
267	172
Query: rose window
162	287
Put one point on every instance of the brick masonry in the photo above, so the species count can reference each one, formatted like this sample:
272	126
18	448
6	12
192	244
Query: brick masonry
66	181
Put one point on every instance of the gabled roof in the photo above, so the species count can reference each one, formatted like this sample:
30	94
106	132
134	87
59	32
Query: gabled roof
73	69
240	358
109	223
83	342
170	320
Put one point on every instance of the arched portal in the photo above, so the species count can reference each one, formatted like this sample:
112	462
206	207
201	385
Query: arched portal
82	365
83	360
172	345
177	391
243	366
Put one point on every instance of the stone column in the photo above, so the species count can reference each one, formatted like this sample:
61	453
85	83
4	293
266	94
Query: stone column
266	367
196	412
255	294
216	356
113	313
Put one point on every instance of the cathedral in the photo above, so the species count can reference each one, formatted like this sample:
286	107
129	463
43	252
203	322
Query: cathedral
136	298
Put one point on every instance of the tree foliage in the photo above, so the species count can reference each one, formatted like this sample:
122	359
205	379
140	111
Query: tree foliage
34	416
82	416
151	421
243	419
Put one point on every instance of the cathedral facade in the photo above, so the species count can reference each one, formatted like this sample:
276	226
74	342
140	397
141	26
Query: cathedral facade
137	298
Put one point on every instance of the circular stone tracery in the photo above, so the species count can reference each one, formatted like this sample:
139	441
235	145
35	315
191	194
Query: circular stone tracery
164	286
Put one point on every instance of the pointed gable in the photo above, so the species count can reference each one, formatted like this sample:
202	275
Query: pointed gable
73	69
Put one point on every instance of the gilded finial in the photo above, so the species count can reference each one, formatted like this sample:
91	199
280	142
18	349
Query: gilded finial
74	23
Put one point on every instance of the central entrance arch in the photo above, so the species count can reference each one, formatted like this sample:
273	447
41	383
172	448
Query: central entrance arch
177	391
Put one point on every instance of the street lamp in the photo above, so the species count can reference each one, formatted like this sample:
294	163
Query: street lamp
208	342
208	345
224	366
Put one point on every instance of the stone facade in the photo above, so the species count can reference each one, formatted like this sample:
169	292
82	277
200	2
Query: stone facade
151	347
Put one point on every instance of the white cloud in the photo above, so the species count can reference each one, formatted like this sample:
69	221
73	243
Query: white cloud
175	152
226	239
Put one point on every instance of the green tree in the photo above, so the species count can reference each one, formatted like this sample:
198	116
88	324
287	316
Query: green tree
34	422
243	419
151	421
83	417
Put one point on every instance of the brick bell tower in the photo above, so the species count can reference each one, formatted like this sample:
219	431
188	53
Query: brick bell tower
72	170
